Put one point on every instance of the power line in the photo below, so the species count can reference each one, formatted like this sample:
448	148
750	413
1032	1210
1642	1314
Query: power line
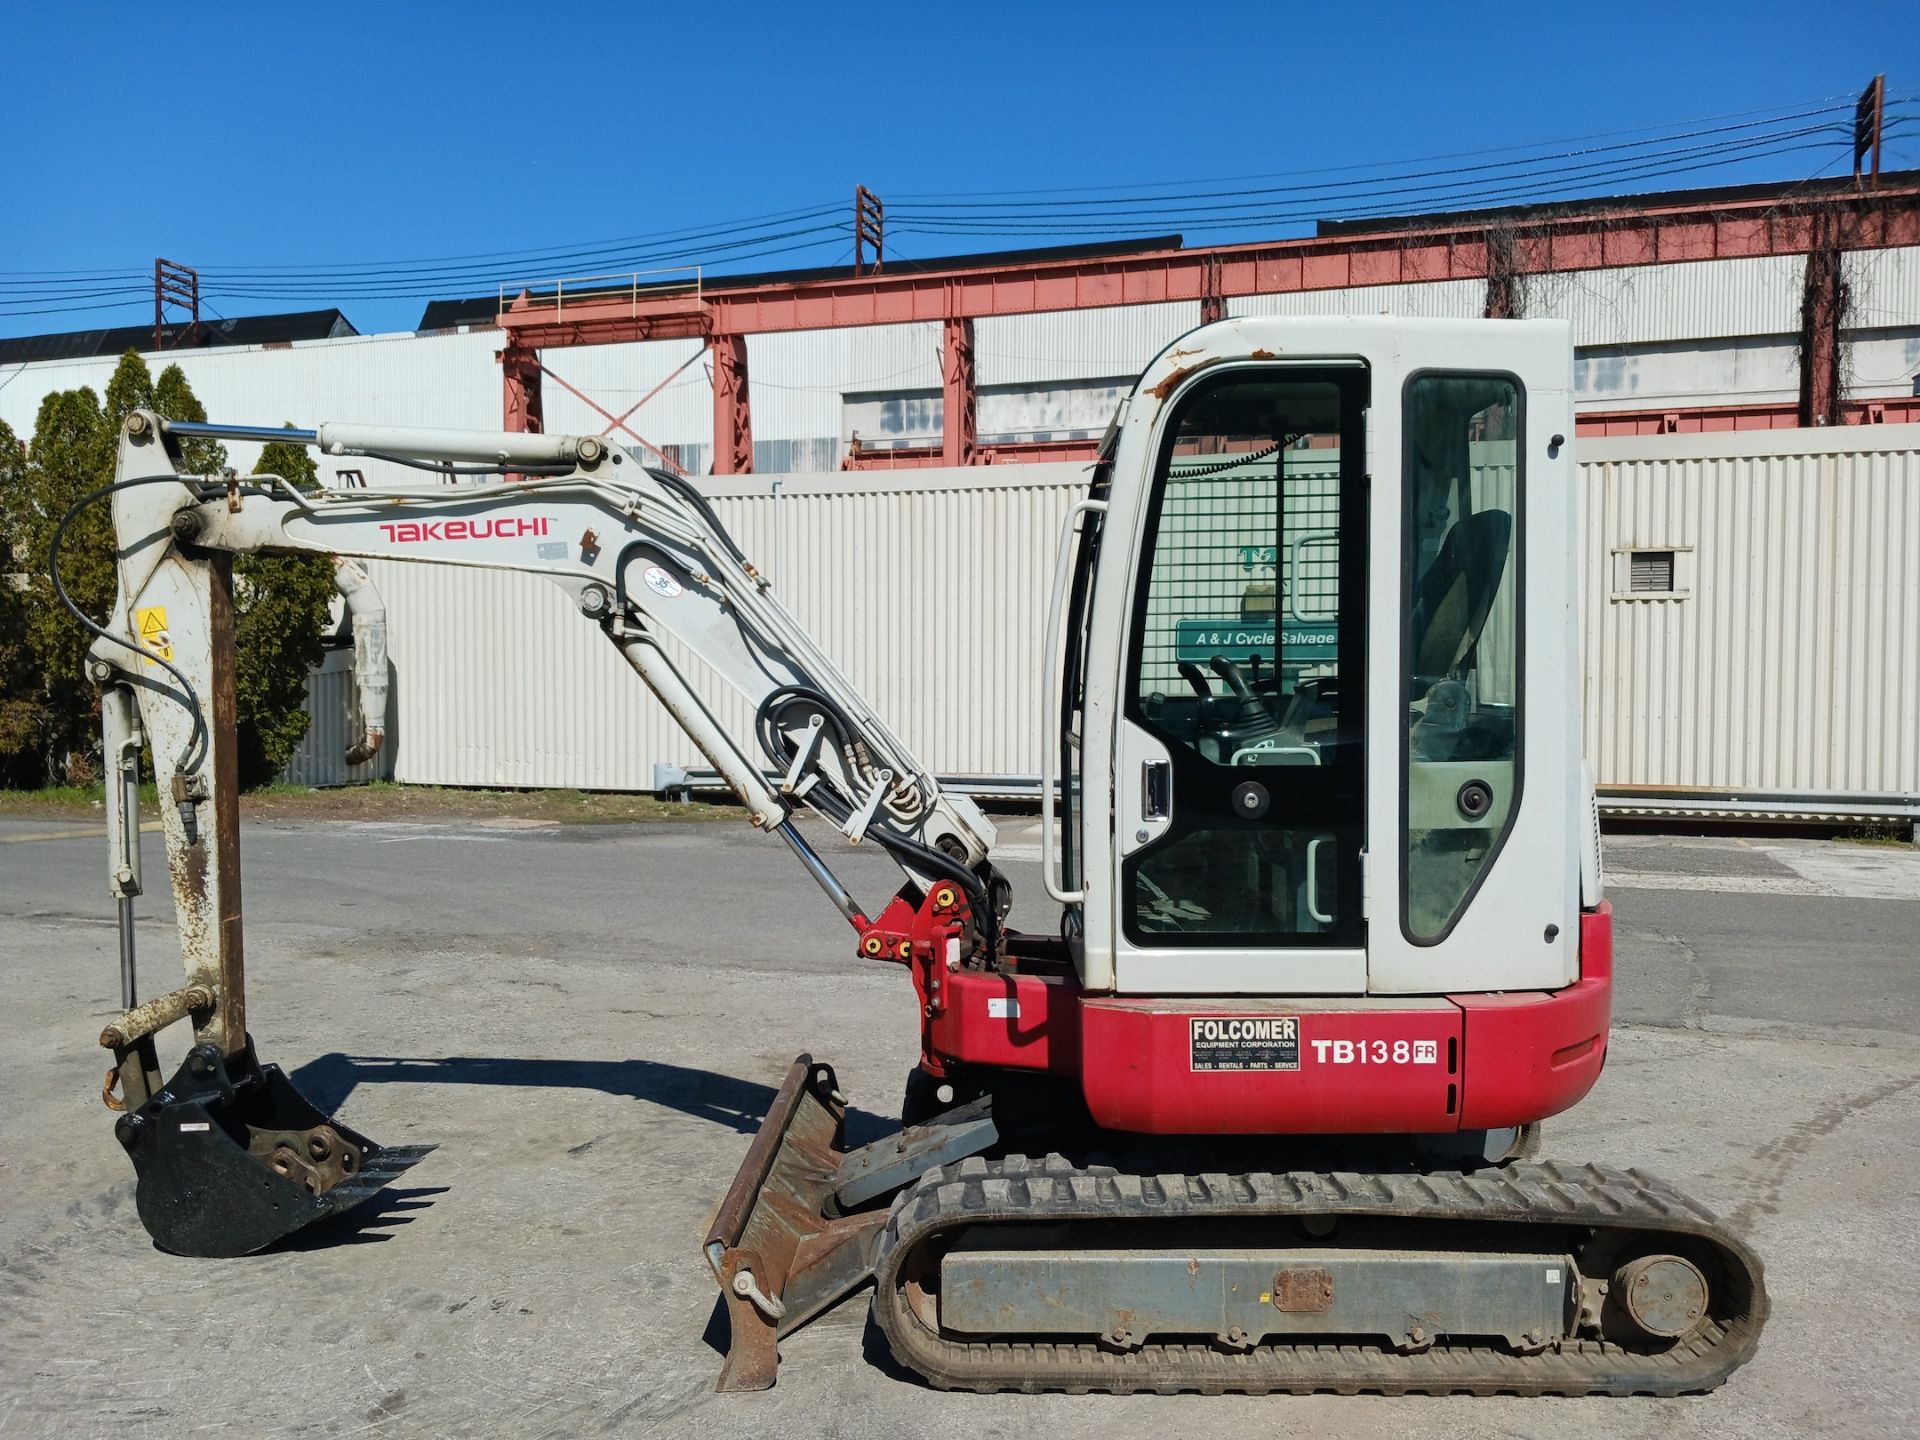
1450	198
1532	172
524	259
1826	104
414	291
1361	183
427	262
1147	208
371	282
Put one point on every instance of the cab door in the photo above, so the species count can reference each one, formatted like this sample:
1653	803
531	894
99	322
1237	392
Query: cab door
1240	758
1477	813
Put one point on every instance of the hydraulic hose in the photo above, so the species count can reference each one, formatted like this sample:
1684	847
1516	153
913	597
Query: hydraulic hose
911	853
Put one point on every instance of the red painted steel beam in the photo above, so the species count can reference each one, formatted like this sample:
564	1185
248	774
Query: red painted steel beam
959	396
1627	236
1823	309
732	407
1592	424
520	402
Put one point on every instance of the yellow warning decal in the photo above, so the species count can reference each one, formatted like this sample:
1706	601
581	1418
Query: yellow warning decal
151	626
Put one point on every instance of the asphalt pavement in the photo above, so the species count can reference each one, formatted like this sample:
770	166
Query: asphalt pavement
590	1020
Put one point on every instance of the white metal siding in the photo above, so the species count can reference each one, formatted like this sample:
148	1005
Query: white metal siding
927	593
1436	299
1077	344
1792	661
333	724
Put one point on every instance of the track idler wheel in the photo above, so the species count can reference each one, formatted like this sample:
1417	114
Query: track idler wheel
231	1157
1657	1300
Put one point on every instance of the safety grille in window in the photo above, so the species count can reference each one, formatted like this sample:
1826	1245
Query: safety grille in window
1219	576
1650	570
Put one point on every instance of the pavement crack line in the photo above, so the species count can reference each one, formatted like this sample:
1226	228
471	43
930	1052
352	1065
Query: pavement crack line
1699	988
1784	1154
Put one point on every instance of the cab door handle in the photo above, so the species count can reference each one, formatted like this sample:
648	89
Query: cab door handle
1156	790
1313	878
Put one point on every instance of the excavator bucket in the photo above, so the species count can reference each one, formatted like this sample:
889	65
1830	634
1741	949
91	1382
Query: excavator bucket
231	1157
798	1228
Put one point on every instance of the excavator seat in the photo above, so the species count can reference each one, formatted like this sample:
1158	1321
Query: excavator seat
1455	595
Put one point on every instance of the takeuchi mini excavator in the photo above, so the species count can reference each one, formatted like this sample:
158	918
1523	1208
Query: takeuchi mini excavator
1262	1112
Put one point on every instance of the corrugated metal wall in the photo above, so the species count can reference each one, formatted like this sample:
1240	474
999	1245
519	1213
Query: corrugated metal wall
1791	663
925	586
333	724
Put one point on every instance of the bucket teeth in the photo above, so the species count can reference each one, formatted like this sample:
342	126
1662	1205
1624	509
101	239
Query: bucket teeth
380	1172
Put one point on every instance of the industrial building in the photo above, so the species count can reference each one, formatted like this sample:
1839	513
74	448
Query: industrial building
1748	378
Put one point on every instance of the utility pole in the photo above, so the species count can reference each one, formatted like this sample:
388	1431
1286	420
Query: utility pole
178	286
869	228
1868	117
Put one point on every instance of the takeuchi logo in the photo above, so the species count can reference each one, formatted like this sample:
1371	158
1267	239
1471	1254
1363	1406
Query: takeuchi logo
510	527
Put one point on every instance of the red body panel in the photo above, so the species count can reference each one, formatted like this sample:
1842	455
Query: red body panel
1531	1056
1017	1022
1478	1062
1358	1071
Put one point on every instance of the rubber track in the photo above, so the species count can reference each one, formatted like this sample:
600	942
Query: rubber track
1021	1189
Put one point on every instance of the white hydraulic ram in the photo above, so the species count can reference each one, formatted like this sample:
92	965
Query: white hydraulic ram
229	1156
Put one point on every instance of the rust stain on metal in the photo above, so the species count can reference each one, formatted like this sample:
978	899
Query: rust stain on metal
1262	355
1167	386
190	900
155	1014
316	1159
1303	1292
230	1014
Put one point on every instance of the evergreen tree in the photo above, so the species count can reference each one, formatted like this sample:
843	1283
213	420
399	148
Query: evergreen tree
281	604
21	712
48	709
71	454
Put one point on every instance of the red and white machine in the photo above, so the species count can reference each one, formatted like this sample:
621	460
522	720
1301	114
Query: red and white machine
1261	1113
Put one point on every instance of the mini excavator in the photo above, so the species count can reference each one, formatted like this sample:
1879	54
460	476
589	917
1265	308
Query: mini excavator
1262	1112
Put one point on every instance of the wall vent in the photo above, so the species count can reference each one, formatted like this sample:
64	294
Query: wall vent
1651	570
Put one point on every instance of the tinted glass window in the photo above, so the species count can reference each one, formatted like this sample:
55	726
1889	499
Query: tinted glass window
1462	723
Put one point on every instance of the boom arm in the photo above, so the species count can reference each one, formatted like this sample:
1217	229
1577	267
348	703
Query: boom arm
640	553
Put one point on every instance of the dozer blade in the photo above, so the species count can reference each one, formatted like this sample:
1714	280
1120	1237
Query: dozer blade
231	1157
798	1228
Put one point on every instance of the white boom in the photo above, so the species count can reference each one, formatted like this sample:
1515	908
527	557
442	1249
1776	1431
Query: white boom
640	553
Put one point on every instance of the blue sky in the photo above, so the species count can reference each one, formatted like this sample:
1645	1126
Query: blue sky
318	137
